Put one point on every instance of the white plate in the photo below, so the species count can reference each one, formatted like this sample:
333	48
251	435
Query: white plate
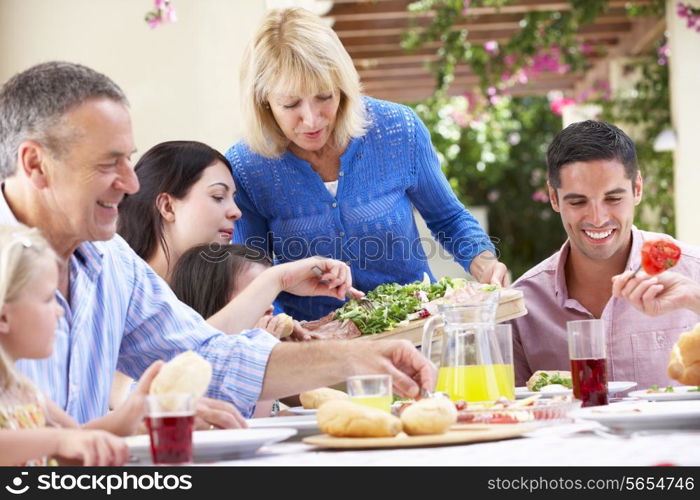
632	416
613	388
300	410
219	444
304	424
679	394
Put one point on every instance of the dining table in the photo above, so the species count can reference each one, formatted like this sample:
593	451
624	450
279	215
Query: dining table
573	443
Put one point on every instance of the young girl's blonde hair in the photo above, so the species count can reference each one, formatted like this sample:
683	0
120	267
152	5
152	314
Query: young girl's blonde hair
20	249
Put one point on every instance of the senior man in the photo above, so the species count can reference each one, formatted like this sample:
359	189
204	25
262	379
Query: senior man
65	147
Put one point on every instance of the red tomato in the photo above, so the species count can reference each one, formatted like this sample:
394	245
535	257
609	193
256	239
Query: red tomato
659	255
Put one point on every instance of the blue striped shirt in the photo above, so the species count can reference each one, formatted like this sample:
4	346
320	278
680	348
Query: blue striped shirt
123	316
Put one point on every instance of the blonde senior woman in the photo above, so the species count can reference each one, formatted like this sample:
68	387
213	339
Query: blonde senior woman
324	170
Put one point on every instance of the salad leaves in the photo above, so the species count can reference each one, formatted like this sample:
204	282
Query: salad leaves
546	379
669	388
392	303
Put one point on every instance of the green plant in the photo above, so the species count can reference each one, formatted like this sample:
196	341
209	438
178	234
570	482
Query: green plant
646	107
496	158
492	146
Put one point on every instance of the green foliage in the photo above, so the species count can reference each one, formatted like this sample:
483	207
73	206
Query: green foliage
493	151
646	107
540	30
498	161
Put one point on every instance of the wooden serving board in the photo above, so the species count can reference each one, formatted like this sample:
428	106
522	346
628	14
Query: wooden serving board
511	305
461	434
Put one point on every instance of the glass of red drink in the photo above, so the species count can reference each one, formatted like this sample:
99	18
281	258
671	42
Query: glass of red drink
587	352
170	420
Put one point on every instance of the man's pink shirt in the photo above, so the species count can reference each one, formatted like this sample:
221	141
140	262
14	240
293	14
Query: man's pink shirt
638	345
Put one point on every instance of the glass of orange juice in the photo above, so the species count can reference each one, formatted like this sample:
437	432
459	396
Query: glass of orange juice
371	390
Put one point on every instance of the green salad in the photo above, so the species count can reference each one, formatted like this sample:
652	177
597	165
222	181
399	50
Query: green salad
391	303
669	388
547	379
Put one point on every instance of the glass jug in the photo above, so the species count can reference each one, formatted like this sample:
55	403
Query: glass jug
472	364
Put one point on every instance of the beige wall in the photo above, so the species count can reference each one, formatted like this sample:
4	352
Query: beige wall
181	78
685	108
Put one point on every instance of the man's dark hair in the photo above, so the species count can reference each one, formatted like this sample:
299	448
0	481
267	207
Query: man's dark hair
205	275
589	141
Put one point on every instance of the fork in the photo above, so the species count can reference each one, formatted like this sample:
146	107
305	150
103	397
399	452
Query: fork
363	302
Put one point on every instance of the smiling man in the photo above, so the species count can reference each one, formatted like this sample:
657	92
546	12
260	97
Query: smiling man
65	147
594	183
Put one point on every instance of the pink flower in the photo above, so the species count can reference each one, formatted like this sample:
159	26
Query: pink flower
491	91
522	77
460	118
163	12
465	7
540	196
557	105
153	22
170	14
491	47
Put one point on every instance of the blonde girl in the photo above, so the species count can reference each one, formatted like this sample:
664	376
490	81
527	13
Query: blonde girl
33	429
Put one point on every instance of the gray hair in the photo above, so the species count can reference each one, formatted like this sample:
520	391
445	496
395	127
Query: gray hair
34	102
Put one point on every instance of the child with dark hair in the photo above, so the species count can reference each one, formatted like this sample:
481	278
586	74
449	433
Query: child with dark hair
207	277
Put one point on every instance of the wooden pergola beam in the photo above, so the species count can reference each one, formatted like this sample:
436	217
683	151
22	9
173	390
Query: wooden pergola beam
398	26
641	36
354	10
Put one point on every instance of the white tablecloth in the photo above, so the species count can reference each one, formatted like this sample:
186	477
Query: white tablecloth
567	445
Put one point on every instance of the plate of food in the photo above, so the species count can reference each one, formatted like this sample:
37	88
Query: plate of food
428	422
531	410
551	383
219	444
642	415
400	311
668	393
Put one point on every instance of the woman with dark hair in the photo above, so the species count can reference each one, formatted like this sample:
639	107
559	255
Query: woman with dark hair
187	199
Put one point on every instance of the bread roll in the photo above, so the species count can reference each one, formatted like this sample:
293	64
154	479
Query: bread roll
347	419
684	365
312	400
429	416
186	372
286	325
